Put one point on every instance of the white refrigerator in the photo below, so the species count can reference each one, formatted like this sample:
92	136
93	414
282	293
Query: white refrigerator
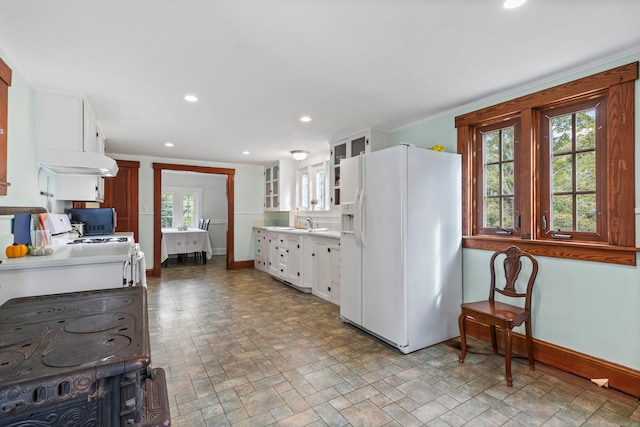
401	253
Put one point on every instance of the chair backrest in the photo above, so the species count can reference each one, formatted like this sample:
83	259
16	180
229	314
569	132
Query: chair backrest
200	222
512	265
205	224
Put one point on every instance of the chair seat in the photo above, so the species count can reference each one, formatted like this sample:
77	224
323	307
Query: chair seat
495	312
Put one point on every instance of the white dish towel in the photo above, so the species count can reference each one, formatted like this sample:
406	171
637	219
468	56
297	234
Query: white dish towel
141	271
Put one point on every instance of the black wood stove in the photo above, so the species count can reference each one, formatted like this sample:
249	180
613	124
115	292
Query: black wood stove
79	359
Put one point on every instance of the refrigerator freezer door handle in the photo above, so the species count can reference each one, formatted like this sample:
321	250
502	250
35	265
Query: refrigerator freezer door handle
361	218
356	217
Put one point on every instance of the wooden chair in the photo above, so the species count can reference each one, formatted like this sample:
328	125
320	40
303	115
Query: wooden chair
498	314
203	224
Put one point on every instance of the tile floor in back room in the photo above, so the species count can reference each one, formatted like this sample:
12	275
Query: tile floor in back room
240	348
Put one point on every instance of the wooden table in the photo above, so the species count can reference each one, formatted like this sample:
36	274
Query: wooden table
176	241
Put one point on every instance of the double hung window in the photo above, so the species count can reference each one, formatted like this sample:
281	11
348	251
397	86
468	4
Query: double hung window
554	170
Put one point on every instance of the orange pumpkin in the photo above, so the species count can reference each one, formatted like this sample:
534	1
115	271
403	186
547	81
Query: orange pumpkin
16	251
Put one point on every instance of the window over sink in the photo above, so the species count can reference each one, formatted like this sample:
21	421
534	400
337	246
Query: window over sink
311	187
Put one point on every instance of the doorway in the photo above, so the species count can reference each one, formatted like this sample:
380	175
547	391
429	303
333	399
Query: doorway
157	196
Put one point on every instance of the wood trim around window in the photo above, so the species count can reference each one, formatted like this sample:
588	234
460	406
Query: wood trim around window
619	248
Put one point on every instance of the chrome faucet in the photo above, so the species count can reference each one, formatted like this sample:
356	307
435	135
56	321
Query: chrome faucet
309	223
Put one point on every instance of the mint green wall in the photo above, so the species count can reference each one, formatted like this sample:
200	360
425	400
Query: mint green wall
589	307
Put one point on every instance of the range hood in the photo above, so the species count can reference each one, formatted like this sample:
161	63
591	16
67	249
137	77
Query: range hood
76	162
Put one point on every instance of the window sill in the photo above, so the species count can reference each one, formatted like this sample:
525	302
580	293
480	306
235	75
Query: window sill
569	250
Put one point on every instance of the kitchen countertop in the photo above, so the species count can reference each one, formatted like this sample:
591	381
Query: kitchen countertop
69	255
333	234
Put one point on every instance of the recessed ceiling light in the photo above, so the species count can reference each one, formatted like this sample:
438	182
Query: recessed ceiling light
168	144
305	119
512	4
245	152
191	98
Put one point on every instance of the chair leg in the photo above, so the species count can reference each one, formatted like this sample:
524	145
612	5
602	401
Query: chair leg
204	257
507	355
463	338
494	341
529	337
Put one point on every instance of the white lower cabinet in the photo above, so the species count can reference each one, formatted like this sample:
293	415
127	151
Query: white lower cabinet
335	274
294	261
326	255
262	250
277	262
306	262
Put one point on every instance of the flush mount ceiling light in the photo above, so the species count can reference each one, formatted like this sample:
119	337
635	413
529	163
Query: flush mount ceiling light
299	154
305	119
512	4
191	98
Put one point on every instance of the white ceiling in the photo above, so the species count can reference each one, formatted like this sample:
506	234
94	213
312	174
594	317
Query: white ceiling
257	66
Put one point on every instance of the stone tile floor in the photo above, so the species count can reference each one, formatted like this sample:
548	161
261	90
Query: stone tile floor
240	348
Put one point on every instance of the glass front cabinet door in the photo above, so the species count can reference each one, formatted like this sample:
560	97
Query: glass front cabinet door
361	143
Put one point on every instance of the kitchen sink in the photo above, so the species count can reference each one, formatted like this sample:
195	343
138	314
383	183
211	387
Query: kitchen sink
318	229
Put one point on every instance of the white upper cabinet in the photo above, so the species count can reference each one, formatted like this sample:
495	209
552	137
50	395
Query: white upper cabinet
360	143
66	122
80	188
279	183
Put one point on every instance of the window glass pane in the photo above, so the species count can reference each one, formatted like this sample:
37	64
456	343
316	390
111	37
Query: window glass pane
166	211
562	173
507	178
188	210
304	190
586	171
561	133
492	212
492	180
320	187
491	146
586	213
586	129
507	143
562	206
507	212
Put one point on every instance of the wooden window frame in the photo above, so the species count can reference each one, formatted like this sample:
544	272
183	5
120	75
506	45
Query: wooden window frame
515	231
618	85
601	234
